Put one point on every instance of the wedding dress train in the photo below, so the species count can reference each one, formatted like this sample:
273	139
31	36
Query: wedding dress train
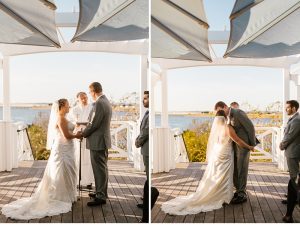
57	189
215	187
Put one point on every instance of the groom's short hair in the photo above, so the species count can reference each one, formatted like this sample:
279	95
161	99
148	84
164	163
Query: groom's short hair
96	86
220	104
293	103
146	92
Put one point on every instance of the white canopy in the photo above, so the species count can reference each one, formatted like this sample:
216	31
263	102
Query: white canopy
264	29
30	22
179	30
112	20
280	62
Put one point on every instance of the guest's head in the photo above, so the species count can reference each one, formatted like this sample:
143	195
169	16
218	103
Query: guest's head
95	90
82	98
146	99
234	105
222	106
63	106
291	107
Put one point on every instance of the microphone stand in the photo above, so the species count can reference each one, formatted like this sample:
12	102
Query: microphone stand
80	189
79	174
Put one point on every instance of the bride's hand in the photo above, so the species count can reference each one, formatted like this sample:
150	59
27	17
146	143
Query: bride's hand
78	135
251	148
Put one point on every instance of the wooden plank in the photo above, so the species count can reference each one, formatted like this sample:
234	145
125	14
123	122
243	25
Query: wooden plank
163	186
67	217
184	191
134	191
262	202
265	187
229	214
116	190
14	188
87	211
255	206
238	213
174	191
127	203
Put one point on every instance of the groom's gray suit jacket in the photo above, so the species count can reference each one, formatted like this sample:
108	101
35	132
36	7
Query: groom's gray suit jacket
243	126
97	131
291	139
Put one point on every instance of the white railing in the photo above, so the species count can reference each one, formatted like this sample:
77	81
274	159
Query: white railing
23	142
181	155
268	149
8	146
270	138
124	144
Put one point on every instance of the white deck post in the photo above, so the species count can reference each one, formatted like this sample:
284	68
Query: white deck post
137	156
286	95
143	83
6	90
7	142
164	100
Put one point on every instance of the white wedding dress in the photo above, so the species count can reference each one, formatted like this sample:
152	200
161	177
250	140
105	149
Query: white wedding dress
216	185
56	191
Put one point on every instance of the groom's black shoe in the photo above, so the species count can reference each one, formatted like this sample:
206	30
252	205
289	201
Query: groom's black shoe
92	195
239	200
96	201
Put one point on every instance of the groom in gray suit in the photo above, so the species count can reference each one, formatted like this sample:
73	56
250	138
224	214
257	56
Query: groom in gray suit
245	130
97	134
291	145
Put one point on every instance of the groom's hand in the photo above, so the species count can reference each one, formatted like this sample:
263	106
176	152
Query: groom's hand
79	135
251	148
281	146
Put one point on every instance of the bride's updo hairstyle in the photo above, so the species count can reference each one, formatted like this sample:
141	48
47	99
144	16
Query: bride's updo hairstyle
221	113
61	103
222	117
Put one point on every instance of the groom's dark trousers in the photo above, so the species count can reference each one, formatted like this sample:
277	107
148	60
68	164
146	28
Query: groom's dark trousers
98	141
244	129
100	170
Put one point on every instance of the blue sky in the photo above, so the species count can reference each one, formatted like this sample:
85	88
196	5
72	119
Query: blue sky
49	76
198	89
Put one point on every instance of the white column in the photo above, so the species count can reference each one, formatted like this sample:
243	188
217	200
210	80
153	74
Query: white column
164	100
286	93
298	92
6	90
286	96
137	156
143	83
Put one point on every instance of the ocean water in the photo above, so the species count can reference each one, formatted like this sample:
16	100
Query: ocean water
25	114
185	121
28	115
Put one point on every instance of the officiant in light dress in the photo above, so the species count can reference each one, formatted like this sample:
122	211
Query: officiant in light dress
79	114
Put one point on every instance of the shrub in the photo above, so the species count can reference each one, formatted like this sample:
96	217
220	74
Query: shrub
38	137
196	141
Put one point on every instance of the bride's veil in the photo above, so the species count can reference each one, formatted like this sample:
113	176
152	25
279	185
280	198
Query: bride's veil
217	132
52	125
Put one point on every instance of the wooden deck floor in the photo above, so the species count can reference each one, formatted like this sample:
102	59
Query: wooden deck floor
266	188
125	190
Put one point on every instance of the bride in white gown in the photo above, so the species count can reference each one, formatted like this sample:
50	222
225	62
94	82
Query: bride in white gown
57	190
216	185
